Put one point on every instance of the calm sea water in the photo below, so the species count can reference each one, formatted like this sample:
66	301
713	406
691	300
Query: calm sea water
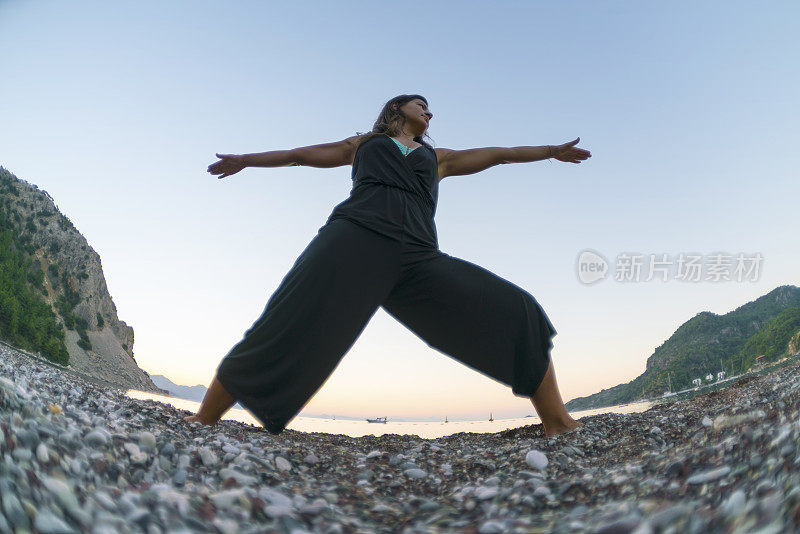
356	428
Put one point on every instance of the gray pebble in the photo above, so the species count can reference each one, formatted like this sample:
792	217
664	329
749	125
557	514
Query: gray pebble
48	523
708	476
415	473
207	456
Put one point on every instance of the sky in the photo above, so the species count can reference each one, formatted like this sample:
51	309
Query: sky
689	109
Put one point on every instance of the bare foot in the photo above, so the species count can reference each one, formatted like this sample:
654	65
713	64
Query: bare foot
566	426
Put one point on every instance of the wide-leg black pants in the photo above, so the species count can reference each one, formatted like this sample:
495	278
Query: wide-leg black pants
337	284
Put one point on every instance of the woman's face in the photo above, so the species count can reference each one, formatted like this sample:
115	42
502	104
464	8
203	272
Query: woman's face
417	115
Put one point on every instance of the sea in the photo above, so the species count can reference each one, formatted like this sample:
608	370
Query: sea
357	428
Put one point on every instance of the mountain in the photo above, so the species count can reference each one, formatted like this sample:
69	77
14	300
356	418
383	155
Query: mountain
53	296
708	343
192	393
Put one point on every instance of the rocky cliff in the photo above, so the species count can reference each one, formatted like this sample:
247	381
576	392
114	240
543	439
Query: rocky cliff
72	283
794	344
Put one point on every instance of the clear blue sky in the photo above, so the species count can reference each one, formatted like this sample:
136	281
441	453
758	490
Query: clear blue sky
690	111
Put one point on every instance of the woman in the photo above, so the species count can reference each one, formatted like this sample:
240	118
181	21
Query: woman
379	248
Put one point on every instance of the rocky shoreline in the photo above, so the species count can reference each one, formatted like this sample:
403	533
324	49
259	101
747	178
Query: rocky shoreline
78	457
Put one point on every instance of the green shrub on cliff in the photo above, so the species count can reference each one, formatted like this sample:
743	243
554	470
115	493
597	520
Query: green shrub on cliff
26	320
773	339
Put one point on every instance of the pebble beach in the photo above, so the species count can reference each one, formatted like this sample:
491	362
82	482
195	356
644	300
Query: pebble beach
80	457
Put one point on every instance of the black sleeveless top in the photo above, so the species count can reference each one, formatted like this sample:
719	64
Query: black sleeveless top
393	194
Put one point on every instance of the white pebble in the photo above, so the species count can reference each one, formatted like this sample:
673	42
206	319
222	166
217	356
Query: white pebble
485	492
104	500
227	498
282	463
735	505
207	456
75	466
7	385
708	476
274	511
63	493
226	526
132	448
42	453
492	527
275	497
536	459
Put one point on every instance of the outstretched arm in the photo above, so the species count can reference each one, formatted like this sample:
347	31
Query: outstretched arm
470	161
323	155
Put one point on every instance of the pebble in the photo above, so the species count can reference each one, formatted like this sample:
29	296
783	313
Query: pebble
415	473
75	457
207	456
48	523
275	497
282	463
62	492
226	499
96	437
708	476
42	453
735	504
485	492
492	527
147	440
536	459
241	478
22	455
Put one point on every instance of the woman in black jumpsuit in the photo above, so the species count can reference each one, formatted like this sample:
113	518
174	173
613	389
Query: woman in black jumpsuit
379	248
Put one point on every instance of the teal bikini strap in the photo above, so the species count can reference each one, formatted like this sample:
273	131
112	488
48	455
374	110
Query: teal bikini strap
403	147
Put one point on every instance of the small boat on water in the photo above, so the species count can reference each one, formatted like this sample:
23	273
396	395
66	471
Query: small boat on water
377	420
490	417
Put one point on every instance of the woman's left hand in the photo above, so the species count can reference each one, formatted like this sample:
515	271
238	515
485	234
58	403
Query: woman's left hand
569	152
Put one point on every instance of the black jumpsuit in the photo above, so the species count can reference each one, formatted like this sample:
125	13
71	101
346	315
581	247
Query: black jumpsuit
379	248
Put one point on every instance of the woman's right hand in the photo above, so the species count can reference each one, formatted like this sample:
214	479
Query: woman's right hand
228	164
